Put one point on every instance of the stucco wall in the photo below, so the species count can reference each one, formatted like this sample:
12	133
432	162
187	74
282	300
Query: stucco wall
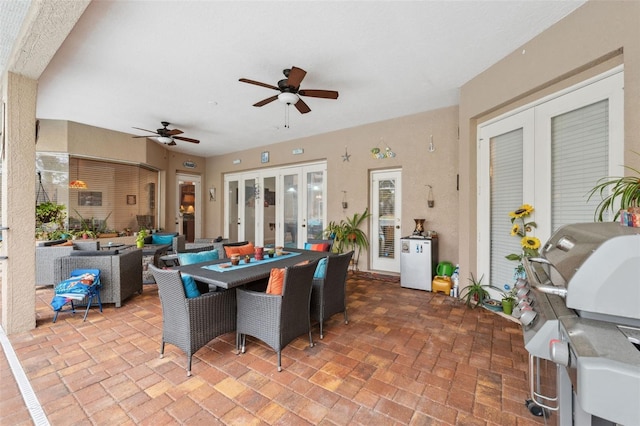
407	136
598	35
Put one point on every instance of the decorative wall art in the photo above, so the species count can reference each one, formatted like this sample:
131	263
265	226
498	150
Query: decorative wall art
131	199
89	198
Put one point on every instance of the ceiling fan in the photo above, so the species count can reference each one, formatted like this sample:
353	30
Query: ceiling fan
290	92
167	136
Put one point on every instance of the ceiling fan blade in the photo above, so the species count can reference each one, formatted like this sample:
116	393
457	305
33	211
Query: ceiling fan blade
265	101
257	83
302	107
150	131
326	94
174	132
143	136
295	76
182	138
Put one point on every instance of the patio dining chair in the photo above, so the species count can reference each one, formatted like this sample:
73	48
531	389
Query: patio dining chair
191	323
329	293
277	319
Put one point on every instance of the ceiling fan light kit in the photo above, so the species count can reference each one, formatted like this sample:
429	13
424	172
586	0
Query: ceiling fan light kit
288	98
164	139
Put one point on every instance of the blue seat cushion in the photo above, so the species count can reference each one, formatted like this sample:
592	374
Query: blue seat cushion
161	239
321	269
203	256
190	286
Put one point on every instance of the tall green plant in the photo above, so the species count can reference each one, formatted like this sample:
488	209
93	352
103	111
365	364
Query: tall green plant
347	234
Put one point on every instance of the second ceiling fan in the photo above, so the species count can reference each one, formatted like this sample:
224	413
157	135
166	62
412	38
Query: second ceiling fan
167	136
290	92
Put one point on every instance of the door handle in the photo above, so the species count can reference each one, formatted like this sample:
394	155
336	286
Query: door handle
303	225
397	226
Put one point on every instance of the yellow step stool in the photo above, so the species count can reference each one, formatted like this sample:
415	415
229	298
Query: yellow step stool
441	284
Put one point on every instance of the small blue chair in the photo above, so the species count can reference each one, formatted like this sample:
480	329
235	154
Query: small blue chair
74	289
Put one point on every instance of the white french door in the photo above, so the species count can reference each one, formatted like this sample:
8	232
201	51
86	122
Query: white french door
548	155
386	211
278	206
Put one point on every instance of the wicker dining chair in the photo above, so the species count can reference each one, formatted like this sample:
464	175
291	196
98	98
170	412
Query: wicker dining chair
277	319
329	294
191	323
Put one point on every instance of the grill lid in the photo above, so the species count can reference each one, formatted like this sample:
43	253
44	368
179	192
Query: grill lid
595	266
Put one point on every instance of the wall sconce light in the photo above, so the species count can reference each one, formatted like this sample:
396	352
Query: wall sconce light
431	146
212	194
430	201
344	200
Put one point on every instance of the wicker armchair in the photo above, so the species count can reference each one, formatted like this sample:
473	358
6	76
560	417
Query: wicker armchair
277	319
329	294
190	324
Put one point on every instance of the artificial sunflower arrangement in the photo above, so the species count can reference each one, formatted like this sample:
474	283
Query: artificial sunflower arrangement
520	228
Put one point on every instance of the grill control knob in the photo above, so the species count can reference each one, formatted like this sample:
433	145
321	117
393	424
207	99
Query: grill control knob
559	352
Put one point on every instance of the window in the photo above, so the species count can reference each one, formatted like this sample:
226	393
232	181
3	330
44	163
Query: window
549	155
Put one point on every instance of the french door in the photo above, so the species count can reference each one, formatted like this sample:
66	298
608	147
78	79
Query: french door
386	211
279	206
188	206
548	155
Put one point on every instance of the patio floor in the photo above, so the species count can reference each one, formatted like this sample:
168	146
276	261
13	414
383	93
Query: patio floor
406	357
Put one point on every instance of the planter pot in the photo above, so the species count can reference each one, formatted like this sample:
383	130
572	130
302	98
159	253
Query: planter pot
140	244
507	306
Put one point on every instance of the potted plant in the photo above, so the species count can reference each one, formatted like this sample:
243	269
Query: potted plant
142	234
475	293
624	190
508	299
50	219
347	234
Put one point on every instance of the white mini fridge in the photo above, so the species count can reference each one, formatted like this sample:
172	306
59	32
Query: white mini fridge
417	257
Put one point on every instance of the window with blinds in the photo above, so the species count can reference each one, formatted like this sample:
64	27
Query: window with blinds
506	153
115	196
579	156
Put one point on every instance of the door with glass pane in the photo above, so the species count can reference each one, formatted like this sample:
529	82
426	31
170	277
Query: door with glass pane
189	206
303	210
549	156
386	204
240	217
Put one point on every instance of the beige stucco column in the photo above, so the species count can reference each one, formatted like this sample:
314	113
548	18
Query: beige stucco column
18	203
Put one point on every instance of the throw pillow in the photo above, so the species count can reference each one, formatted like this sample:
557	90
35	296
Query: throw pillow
316	246
190	287
203	256
240	250
276	281
321	269
161	239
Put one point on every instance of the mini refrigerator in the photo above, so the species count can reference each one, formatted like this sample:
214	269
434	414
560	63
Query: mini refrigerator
417	257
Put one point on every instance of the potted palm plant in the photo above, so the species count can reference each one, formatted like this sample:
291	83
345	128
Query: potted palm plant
142	234
347	234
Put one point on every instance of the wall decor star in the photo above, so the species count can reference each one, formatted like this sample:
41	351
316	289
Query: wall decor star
346	155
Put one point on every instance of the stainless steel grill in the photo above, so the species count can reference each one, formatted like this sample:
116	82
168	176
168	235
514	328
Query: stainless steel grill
582	312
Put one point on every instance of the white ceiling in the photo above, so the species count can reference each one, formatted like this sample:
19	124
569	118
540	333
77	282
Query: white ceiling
135	63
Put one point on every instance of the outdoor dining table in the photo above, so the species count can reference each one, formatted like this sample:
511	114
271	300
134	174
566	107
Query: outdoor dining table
222	274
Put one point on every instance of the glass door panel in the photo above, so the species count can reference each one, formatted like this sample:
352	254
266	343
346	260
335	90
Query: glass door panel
385	216
250	196
290	210
232	218
315	205
269	212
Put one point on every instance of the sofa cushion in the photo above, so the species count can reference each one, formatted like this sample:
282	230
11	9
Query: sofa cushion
161	239
317	246
240	250
93	253
321	269
190	286
276	281
203	256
